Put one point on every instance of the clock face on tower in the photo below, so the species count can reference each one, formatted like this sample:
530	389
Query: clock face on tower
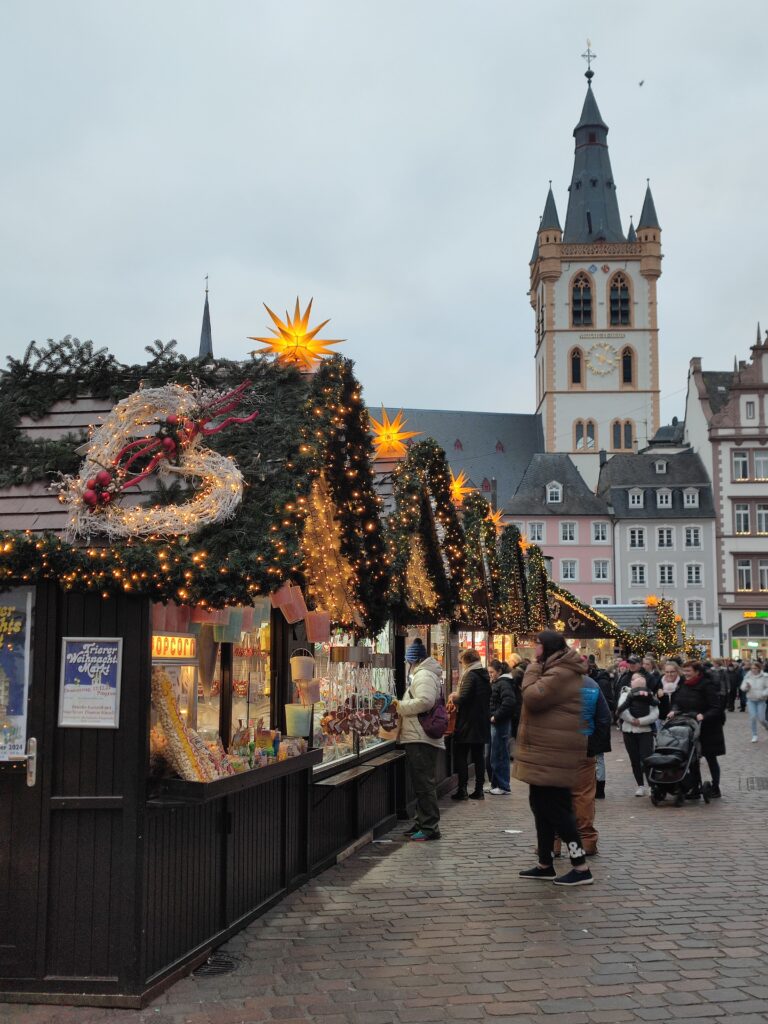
602	358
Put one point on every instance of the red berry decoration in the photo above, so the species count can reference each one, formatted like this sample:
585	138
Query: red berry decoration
105	497
90	497
91	484
103	478
172	420
169	444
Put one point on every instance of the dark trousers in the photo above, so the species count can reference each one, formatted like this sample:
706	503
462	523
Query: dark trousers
553	812
714	769
639	746
462	753
498	755
421	759
733	693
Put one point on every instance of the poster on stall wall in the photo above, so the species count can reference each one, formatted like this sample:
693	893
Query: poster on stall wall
15	618
89	696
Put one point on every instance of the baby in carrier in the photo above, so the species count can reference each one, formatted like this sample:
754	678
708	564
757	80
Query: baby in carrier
638	700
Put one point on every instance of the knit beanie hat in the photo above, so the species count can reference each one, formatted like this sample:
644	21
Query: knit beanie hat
415	652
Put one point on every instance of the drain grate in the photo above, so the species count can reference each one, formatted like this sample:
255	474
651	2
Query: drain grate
756	782
216	964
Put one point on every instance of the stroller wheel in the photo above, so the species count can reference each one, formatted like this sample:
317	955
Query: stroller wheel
679	800
654	799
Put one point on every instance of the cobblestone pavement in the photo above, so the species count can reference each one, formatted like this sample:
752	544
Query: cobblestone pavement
675	928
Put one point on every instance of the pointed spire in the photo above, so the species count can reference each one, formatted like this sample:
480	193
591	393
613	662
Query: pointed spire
549	219
593	209
648	218
631	234
206	341
759	339
735	365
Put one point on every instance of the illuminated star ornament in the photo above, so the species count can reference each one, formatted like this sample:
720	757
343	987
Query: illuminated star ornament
495	518
294	342
652	601
389	436
459	487
524	543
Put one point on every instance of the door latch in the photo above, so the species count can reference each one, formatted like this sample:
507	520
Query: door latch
31	761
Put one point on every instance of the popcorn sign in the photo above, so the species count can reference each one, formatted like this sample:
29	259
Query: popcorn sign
90	682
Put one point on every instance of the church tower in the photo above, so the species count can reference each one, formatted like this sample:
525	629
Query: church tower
593	291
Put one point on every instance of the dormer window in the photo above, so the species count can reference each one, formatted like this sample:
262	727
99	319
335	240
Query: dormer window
554	493
499	447
458	446
486	484
691	497
661	466
664	498
636	498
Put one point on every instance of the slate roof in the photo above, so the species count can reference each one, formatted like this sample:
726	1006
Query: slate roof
593	209
517	436
626	616
648	218
672	433
206	341
544	468
550	219
718	384
684	469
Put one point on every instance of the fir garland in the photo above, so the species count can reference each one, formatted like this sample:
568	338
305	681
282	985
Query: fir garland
536	583
511	611
479	592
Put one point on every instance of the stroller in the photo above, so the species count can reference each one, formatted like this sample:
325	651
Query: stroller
673	768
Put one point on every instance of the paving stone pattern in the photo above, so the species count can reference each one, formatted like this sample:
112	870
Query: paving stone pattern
673	930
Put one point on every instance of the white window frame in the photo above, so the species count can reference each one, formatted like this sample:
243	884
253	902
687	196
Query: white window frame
694	603
660	466
570	562
744	565
691	497
663	498
636	498
760	456
692	547
598	527
742	457
689	574
601	561
761	512
762	575
667	530
600	600
643	533
743	512
569	526
536	533
662	573
750	407
643	567
554	493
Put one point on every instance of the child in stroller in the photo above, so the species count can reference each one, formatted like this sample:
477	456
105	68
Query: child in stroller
673	768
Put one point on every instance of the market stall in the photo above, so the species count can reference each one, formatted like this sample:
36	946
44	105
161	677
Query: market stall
171	760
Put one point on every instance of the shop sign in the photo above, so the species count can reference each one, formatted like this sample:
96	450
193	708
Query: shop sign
89	696
167	645
15	614
756	615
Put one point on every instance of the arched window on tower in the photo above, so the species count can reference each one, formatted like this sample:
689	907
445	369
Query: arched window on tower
591	434
623	435
581	301
628	375
576	367
578	435
616	435
584	435
618	294
629	437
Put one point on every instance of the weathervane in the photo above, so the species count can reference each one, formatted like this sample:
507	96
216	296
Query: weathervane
589	56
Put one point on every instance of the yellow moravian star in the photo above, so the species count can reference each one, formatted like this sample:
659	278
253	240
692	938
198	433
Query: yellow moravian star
459	487
389	436
293	342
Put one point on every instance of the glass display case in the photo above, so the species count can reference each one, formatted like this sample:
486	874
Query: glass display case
351	702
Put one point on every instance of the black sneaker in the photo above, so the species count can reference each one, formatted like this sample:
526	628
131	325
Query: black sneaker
460	794
714	792
544	874
410	831
477	795
425	837
575	877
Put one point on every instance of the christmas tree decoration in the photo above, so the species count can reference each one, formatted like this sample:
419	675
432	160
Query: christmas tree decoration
511	611
524	543
497	519
420	588
536	588
479	592
293	342
157	429
652	601
459	487
389	437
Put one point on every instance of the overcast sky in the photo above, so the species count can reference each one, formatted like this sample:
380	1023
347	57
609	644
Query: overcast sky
389	159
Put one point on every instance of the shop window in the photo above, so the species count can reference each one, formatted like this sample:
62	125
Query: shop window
581	301
576	364
619	300
743	574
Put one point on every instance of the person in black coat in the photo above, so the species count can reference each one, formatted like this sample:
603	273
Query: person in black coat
473	724
505	715
698	694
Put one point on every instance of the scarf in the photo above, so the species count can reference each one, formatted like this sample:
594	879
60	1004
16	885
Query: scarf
692	681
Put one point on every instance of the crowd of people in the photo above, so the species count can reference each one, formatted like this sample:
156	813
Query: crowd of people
551	719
